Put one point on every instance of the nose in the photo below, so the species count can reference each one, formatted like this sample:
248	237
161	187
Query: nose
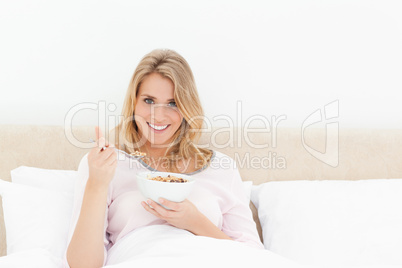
158	113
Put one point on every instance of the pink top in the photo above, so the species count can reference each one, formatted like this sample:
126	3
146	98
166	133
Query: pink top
218	194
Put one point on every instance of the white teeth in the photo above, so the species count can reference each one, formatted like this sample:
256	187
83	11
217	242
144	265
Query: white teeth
157	127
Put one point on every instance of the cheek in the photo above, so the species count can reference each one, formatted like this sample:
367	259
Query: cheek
141	113
177	118
140	120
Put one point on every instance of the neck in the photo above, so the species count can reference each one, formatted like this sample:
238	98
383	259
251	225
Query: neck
153	151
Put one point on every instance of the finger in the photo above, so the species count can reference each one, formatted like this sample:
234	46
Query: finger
158	208
149	209
98	133
110	162
107	155
170	204
111	159
108	151
102	144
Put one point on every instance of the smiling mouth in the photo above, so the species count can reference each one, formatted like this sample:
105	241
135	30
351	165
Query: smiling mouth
158	128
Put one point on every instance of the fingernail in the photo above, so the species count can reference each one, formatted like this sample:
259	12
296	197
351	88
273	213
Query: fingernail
161	200
149	202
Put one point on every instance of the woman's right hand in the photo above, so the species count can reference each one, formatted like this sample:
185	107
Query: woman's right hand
102	162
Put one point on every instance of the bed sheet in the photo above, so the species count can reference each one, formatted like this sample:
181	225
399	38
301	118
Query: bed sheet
166	246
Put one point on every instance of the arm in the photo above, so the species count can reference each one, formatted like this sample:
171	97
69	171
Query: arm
86	248
185	215
238	220
87	244
205	227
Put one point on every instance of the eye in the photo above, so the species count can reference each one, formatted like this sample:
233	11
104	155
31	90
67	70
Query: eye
148	101
172	104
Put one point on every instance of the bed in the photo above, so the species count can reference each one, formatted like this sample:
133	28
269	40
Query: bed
319	198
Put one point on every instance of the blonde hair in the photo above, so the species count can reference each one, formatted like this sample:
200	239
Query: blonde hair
171	65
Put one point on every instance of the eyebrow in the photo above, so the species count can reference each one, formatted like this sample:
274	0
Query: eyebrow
154	98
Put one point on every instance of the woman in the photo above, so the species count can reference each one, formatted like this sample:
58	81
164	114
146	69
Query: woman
162	117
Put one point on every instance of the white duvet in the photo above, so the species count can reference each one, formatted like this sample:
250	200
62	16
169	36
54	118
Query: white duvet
165	246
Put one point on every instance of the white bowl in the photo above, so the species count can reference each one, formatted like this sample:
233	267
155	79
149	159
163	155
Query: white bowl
172	191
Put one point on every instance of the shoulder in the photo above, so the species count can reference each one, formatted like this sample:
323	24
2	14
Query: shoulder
222	162
219	157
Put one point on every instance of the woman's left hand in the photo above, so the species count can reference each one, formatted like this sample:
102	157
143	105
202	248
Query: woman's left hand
183	215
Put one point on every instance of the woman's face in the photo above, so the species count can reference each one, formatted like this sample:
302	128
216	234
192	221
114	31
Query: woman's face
156	113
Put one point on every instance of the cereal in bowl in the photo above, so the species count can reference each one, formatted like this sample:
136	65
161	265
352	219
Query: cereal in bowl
169	178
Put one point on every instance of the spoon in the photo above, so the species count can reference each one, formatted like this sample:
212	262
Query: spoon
136	155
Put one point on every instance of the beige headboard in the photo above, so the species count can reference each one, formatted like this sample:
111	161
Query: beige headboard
288	153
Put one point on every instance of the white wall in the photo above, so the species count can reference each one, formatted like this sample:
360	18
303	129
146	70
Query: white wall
275	57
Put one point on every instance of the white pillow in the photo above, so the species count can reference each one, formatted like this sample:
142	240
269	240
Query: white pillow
247	189
35	218
32	258
50	179
332	222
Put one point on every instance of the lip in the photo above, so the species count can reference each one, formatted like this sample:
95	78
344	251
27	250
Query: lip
156	130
